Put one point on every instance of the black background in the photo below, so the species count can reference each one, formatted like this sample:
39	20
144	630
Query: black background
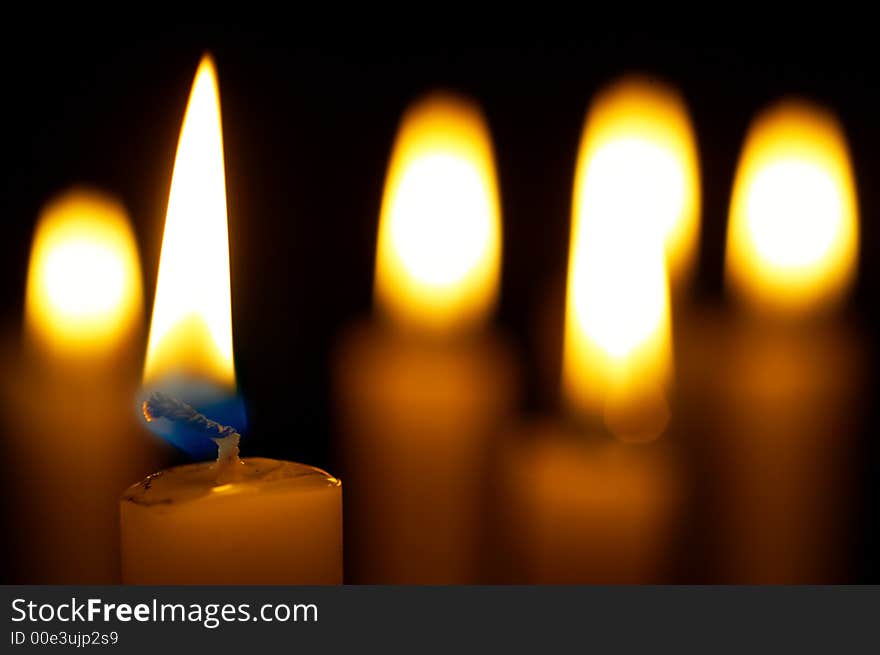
310	113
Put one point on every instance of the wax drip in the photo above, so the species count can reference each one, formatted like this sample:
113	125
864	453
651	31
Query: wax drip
161	405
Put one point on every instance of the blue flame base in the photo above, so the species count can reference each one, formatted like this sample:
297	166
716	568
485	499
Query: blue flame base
214	401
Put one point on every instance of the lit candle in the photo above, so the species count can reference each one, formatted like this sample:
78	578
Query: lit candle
424	386
230	521
74	442
786	366
595	500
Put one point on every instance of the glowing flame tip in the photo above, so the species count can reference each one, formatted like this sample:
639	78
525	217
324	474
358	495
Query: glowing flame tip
439	247
792	240
191	329
634	216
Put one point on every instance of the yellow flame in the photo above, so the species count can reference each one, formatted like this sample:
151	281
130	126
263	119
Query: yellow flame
629	192
792	240
439	247
191	330
640	131
84	281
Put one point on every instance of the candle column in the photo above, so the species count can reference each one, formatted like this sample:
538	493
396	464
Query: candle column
578	507
419	420
422	388
781	456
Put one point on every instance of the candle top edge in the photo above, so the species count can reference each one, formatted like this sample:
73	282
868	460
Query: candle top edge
198	481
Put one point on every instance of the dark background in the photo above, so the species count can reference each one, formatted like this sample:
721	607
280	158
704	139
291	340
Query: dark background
309	118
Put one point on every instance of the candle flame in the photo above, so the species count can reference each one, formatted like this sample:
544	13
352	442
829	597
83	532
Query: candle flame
632	195
792	241
640	133
191	330
439	246
189	355
84	281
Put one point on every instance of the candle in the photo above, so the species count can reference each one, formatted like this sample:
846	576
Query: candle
423	387
786	363
73	442
231	521
594	498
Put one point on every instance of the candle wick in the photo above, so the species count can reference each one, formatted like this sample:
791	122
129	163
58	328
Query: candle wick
161	405
228	462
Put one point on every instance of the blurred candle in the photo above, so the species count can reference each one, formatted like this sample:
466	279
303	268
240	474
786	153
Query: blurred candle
74	442
788	363
639	129
422	388
251	521
591	499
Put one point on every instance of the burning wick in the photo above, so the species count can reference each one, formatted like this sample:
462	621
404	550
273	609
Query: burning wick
160	405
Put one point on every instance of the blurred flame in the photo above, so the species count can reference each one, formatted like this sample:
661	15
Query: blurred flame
439	248
191	330
84	282
617	359
642	144
792	241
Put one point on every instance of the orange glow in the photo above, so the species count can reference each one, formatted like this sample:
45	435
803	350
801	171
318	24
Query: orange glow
191	330
439	247
84	281
793	234
617	358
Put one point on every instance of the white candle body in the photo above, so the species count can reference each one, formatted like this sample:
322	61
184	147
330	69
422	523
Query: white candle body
280	523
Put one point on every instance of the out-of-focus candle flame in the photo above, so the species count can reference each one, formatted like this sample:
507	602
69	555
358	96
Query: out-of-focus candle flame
439	246
84	281
644	160
792	241
191	330
617	358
